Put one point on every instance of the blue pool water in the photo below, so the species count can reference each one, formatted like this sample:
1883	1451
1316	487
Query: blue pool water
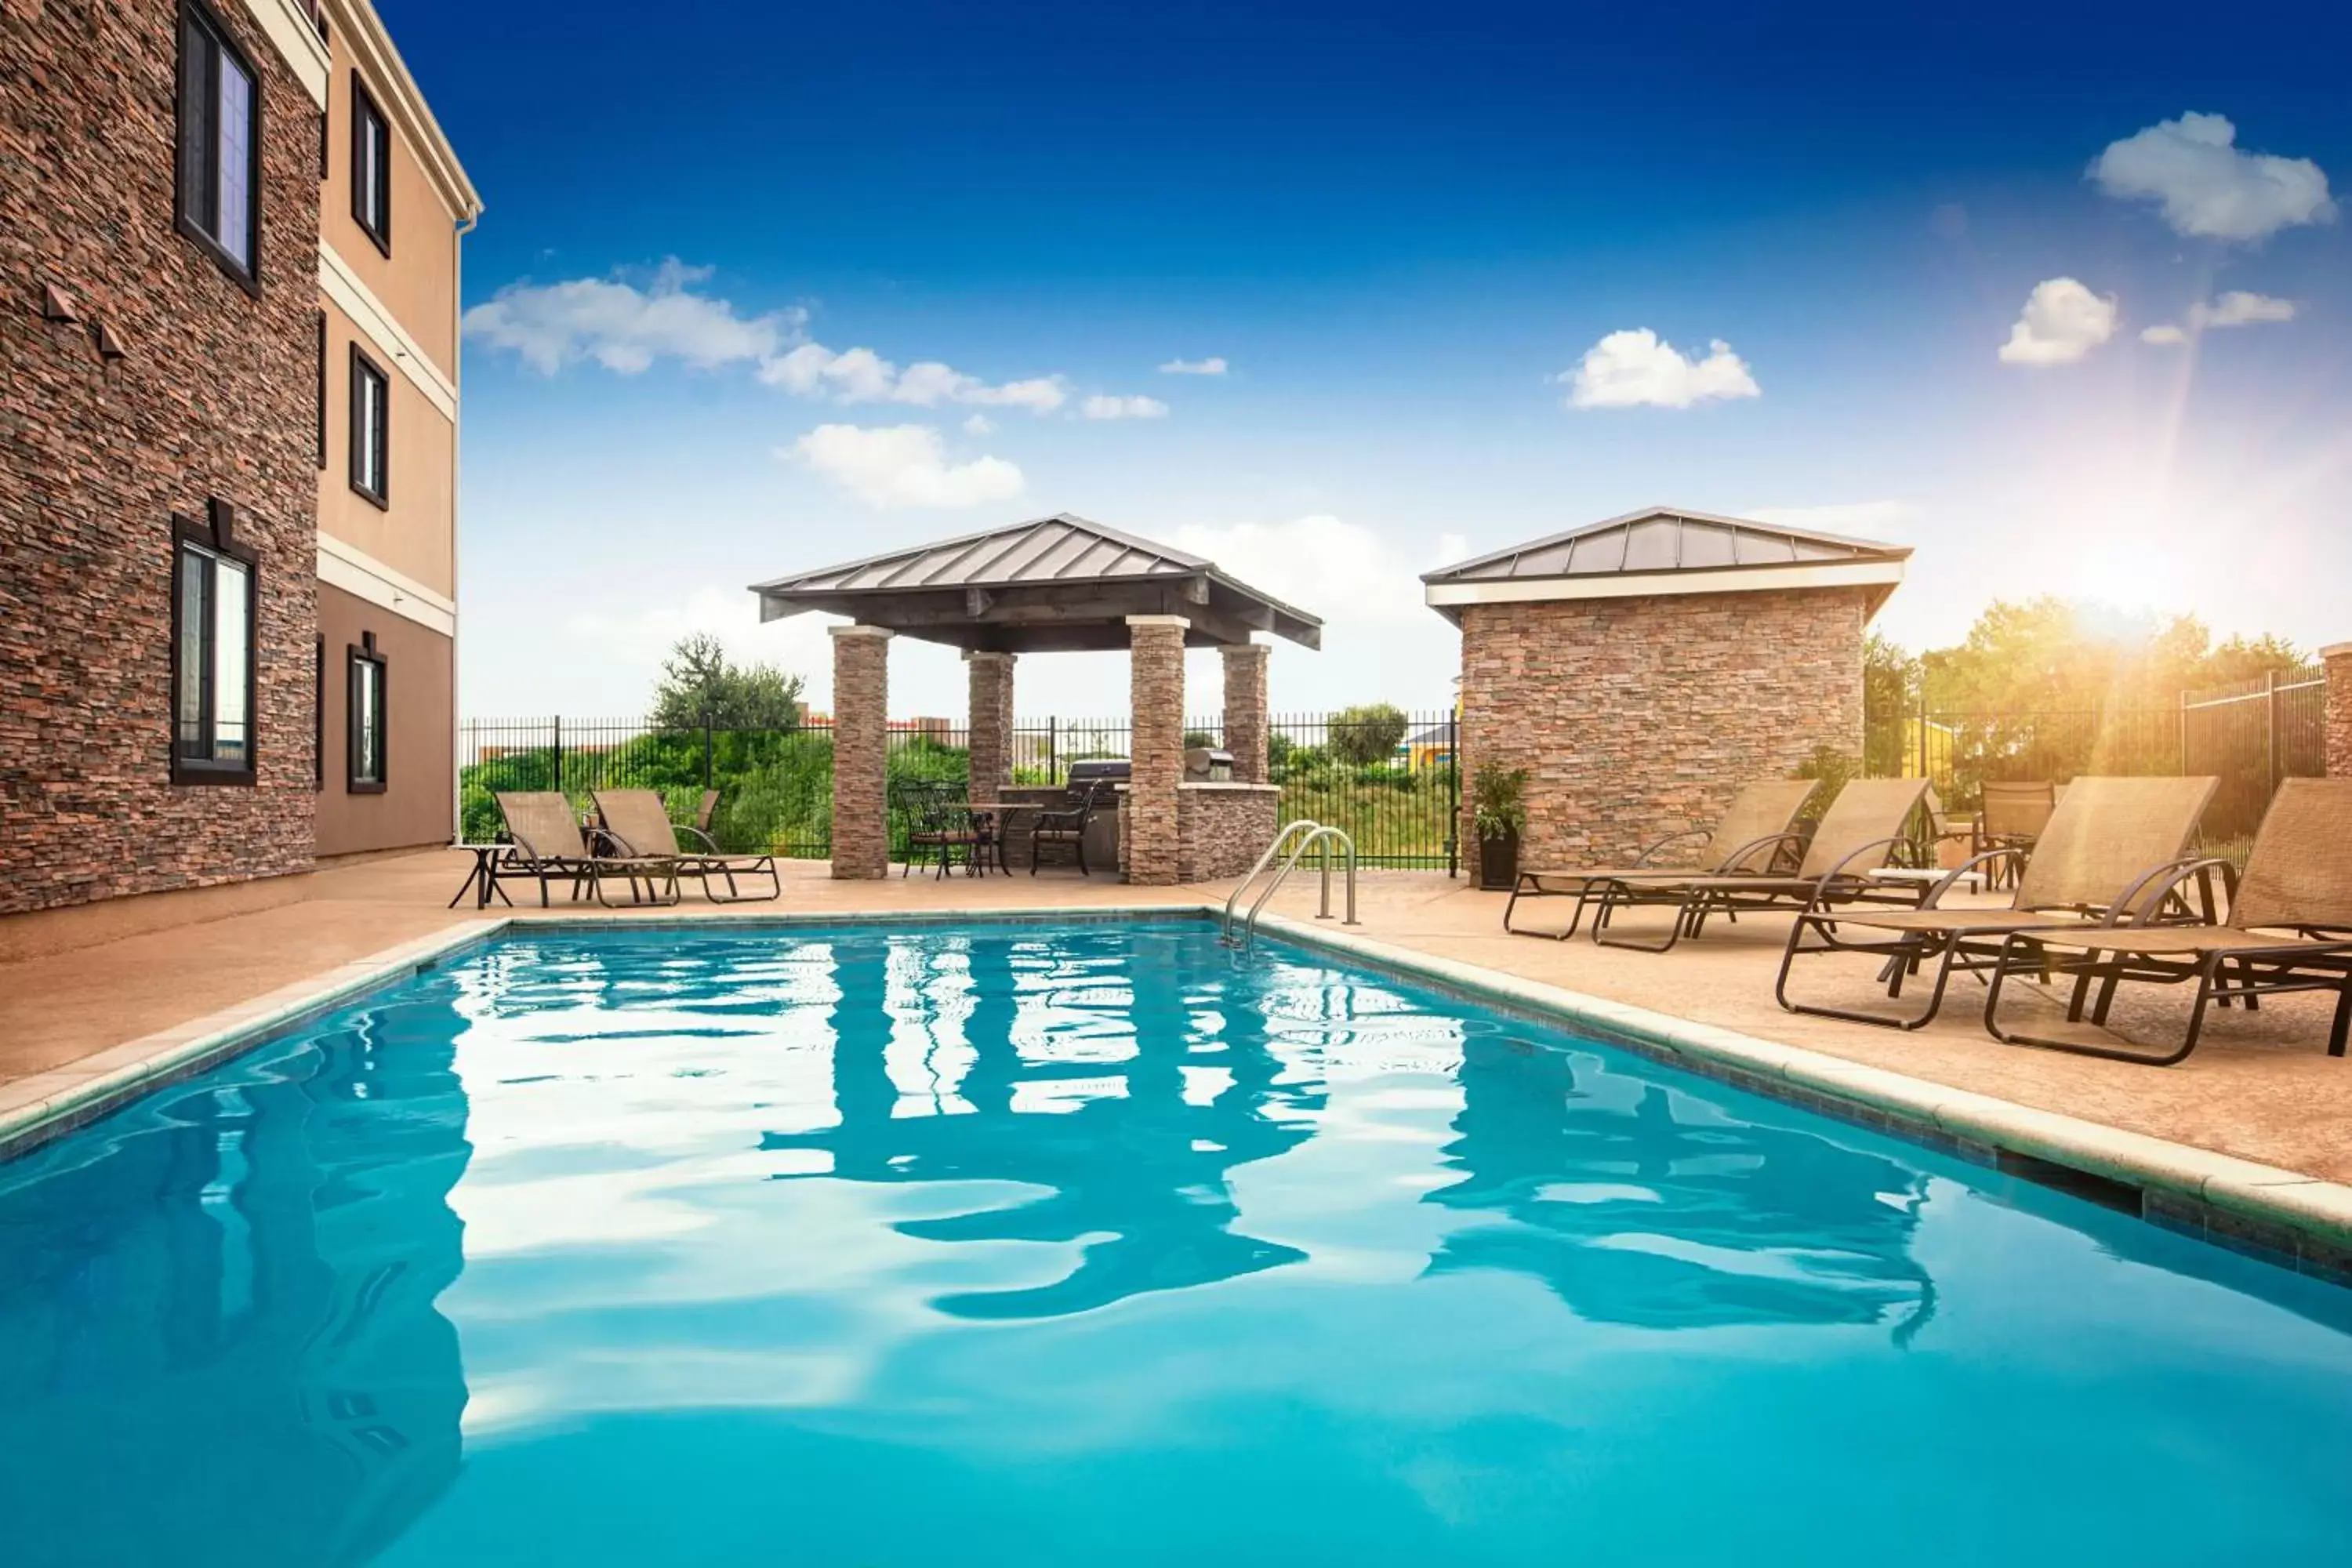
1016	1246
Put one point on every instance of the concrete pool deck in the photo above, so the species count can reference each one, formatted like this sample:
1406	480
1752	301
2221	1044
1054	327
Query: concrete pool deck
84	1001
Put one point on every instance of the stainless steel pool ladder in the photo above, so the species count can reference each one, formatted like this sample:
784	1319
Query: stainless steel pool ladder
1308	834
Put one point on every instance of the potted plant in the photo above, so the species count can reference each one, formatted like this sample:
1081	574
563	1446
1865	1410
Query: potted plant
1499	810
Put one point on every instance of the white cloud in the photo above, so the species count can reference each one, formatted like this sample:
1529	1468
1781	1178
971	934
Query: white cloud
1103	406
1863	520
1213	365
2237	308
1627	369
861	375
903	466
2206	186
2063	321
624	327
980	425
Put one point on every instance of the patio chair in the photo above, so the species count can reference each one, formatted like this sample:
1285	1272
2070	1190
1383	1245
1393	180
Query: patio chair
1064	828
1862	827
1754	831
703	812
2014	813
549	843
639	822
938	824
2113	839
2289	929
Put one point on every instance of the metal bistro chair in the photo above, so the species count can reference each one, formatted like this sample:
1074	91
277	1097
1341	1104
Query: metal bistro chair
938	824
1066	827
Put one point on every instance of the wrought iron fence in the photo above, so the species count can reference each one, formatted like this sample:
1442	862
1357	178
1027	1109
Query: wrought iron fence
2253	735
1393	786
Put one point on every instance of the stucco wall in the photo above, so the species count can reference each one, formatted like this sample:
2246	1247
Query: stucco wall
414	807
414	532
1639	717
214	397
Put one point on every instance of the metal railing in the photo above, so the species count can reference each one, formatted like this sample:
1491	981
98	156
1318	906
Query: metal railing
1309	834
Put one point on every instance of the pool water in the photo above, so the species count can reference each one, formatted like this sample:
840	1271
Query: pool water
1093	1245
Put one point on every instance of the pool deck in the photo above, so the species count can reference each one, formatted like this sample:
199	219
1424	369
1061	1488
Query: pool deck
88	997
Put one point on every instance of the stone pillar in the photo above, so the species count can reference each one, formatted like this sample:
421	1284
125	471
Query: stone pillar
1156	674
861	752
1245	721
2338	658
989	677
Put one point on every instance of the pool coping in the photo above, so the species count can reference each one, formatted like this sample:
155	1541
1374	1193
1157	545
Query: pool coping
2300	1221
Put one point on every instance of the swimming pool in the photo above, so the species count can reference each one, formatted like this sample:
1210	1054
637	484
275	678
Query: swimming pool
1091	1244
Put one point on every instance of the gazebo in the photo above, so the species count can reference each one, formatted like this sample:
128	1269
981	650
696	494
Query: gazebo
1055	584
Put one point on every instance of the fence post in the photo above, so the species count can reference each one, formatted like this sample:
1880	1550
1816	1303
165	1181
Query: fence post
559	753
2270	731
705	748
1452	795
1053	749
1922	730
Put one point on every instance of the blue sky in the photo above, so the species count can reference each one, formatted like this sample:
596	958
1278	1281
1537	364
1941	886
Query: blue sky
1425	245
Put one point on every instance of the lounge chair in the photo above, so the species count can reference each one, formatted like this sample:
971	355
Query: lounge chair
1856	835
2098	853
1755	829
549	843
639	822
2289	929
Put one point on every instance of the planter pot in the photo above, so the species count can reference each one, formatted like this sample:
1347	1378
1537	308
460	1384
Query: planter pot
1499	863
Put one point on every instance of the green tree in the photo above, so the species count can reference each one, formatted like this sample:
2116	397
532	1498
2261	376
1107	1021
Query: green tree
700	684
1369	733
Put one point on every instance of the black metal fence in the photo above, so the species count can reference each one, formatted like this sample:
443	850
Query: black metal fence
2254	735
1392	783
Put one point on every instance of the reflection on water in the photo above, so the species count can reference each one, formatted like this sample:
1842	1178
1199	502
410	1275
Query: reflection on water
1637	1203
218	1342
1070	1233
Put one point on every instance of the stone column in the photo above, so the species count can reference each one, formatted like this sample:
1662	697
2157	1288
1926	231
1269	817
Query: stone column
989	677
1245	721
1156	673
861	751
2338	656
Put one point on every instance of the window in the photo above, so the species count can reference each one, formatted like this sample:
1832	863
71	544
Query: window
322	389
219	146
213	611
319	716
366	718
371	428
371	167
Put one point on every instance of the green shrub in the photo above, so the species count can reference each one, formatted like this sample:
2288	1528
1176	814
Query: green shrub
1369	733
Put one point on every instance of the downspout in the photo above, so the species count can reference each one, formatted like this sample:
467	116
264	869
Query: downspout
456	452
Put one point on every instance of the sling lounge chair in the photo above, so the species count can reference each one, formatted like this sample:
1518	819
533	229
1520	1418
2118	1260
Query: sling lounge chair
640	823
1858	833
548	843
1755	830
2097	854
2290	929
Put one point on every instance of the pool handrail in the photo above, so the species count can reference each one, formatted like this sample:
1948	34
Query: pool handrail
1281	839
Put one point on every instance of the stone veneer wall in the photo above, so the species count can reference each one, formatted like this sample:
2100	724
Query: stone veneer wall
1247	726
2338	658
1640	717
1223	829
1151	846
212	398
861	755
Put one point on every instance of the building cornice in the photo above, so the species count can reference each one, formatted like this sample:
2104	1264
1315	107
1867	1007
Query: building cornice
287	24
388	77
1450	598
380	327
361	575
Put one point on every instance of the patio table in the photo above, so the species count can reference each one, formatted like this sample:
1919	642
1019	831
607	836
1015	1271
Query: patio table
483	879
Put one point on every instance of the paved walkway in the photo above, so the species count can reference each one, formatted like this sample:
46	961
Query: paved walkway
2260	1088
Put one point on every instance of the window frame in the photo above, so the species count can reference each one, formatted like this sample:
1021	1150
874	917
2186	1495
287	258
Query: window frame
216	537
367	111
319	716
322	392
361	364
360	657
197	14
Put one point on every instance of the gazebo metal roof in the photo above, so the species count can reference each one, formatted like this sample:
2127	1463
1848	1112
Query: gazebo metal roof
1054	584
1661	550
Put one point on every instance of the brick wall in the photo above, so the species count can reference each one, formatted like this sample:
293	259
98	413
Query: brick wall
212	398
1639	717
1223	829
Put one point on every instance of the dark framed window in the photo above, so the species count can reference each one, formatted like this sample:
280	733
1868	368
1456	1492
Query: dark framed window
215	621
322	389
367	730
319	716
371	428
220	177
371	167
